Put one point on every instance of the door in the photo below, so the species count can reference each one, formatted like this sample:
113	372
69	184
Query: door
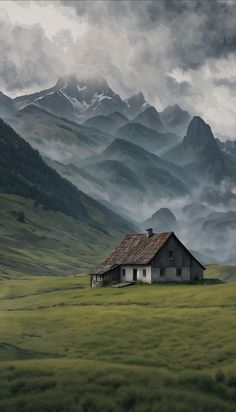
134	275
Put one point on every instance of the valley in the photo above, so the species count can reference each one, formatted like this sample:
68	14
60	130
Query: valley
134	161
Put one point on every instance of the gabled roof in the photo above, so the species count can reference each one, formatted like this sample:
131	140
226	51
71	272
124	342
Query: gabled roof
134	249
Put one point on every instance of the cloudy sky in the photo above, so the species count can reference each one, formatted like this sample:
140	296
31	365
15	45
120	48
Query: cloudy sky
174	51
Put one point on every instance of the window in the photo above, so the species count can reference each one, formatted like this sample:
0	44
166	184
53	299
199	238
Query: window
171	254
144	273
123	272
162	271
178	272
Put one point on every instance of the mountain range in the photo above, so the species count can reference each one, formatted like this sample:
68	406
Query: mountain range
164	169
78	100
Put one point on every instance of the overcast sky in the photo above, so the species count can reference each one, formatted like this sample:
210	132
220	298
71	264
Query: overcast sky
174	51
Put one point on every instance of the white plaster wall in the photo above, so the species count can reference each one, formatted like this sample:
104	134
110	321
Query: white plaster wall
129	274
96	283
170	275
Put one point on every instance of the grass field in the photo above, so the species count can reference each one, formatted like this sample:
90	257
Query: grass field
160	348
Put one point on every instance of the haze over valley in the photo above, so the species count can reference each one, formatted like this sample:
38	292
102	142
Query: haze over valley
162	169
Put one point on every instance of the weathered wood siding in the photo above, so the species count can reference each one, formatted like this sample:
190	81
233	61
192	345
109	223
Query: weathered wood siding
112	276
164	268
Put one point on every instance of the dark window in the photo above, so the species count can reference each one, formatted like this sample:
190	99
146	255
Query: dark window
123	272
171	254
178	271
144	273
162	271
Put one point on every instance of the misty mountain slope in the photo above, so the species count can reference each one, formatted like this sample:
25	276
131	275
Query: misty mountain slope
7	106
145	137
117	182
229	146
149	118
163	220
109	181
135	105
214	168
128	177
107	124
175	119
118	118
201	154
196	211
24	173
58	138
25	100
219	234
138	158
149	169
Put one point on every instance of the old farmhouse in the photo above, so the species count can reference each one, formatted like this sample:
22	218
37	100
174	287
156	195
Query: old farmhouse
149	258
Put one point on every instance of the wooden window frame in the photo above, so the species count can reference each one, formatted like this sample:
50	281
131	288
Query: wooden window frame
144	273
178	272
123	272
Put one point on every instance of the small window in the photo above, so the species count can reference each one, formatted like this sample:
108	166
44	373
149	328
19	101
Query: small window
144	273
162	271
171	254
178	272
123	272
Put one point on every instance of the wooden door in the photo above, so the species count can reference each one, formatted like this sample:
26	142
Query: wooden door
134	275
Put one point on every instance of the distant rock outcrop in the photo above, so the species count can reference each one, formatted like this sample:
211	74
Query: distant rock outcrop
161	221
149	118
175	119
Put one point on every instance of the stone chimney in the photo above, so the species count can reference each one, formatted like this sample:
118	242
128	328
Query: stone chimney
149	232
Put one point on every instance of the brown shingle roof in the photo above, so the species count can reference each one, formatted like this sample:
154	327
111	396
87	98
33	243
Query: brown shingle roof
134	249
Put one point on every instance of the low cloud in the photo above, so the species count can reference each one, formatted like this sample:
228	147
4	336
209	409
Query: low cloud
229	84
171	50
28	58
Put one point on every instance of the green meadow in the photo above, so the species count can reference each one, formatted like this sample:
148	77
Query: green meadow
48	242
160	348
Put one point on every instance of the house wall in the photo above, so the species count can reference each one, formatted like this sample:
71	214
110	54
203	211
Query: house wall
169	275
112	276
129	273
190	268
196	271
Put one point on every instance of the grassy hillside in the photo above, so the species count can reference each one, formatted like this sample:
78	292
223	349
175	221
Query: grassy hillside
141	349
50	242
226	273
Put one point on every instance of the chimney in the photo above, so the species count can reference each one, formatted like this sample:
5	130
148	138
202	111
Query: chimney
149	232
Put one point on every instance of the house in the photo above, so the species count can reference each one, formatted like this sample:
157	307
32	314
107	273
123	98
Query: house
149	258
